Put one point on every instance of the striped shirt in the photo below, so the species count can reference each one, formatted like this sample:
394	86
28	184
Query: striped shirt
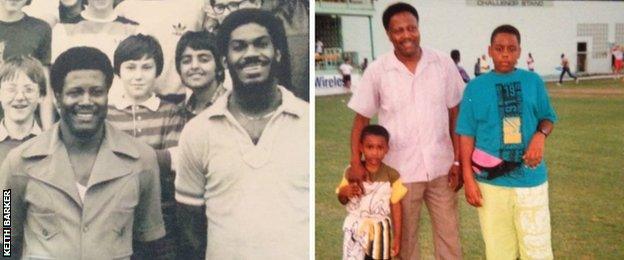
155	122
159	124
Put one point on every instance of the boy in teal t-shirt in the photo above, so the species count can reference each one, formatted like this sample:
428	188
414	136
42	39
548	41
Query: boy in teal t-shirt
505	117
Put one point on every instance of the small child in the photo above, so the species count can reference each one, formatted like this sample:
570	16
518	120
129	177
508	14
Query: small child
376	209
504	119
22	87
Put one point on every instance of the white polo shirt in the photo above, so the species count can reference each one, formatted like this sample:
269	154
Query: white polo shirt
256	195
414	109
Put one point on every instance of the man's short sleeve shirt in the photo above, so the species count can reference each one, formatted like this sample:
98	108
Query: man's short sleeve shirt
414	107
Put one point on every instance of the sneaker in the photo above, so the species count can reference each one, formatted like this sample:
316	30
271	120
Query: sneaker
577	80
558	84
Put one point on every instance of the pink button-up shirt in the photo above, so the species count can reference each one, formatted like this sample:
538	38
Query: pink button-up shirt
414	109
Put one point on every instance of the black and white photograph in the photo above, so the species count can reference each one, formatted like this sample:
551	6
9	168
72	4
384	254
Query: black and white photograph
155	129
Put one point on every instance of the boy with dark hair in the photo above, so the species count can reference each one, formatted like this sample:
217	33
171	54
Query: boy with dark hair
504	119
376	209
198	62
22	86
140	113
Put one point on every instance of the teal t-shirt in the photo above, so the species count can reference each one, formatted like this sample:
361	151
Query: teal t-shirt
502	112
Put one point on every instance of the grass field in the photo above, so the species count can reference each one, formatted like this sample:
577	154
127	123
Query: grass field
585	156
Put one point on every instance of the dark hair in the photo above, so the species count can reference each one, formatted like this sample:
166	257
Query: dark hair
79	58
374	130
562	55
31	67
273	25
137	47
455	55
395	9
200	41
505	28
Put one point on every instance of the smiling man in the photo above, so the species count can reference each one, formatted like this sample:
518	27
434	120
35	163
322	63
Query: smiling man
82	190
245	158
415	92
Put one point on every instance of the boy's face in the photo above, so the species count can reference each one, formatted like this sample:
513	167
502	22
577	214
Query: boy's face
505	51
138	77
198	68
12	5
223	8
19	97
374	148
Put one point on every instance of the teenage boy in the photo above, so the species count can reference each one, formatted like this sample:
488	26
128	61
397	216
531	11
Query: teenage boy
166	20
23	35
199	64
22	86
505	118
140	113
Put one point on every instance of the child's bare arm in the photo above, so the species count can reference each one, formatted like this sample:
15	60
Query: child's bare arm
396	210
349	191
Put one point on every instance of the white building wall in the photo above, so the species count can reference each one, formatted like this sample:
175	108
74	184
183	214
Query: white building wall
356	36
453	24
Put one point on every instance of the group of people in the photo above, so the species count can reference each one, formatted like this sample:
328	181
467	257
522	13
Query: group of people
435	135
145	173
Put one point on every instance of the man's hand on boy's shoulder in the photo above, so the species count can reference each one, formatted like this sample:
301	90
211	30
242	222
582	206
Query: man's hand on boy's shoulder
455	178
350	191
535	151
356	174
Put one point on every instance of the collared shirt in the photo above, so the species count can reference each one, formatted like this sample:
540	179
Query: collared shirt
122	200
7	143
413	107
191	102
154	121
256	196
4	133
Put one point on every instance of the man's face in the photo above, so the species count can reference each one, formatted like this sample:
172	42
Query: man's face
404	34
223	8
374	148
198	68
12	5
138	77
19	97
251	55
83	101
101	5
505	51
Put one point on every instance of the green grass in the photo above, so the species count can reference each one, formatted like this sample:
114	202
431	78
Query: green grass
585	156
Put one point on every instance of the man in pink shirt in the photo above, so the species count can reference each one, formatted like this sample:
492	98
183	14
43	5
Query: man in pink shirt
415	92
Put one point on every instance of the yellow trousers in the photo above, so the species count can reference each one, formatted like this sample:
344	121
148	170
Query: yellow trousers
515	222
